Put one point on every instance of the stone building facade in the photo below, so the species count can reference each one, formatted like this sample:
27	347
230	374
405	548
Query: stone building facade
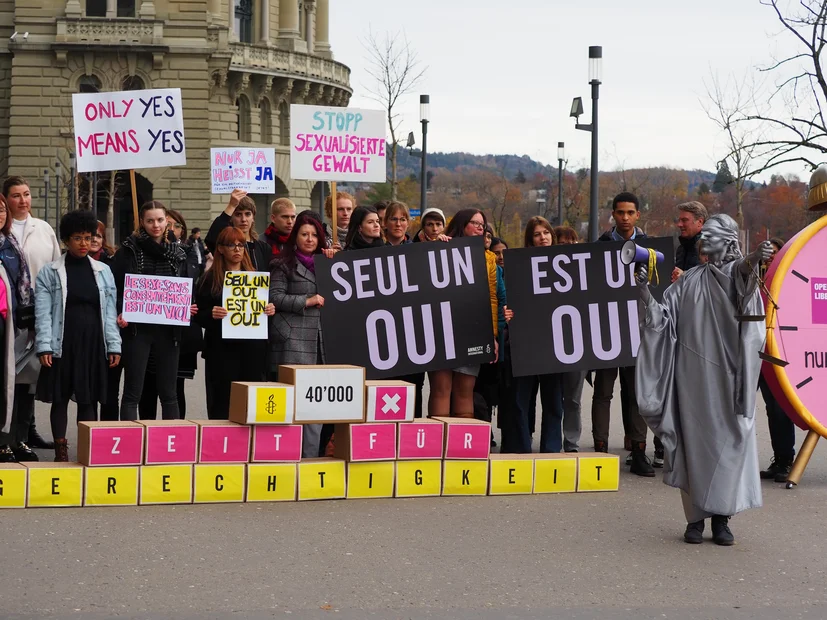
239	64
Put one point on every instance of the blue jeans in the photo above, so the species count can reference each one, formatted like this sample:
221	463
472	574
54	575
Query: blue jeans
551	397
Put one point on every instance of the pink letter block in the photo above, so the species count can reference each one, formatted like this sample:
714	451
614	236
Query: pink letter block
421	440
225	443
119	445
171	443
273	444
373	442
468	441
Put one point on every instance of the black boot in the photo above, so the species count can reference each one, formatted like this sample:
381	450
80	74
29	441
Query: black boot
721	534
600	446
24	453
6	455
640	462
36	441
694	533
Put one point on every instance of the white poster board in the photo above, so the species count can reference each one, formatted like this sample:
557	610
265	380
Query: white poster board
158	300
241	167
246	294
129	129
337	144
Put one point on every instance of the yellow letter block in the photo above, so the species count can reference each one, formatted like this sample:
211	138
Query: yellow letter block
271	482
511	474
555	474
465	478
219	483
598	472
55	484
373	479
111	486
322	478
13	479
166	484
418	478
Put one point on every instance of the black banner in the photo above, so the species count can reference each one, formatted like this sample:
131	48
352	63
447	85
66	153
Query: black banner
575	306
405	309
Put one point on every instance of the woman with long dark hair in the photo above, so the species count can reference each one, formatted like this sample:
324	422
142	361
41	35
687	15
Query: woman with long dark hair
227	359
364	230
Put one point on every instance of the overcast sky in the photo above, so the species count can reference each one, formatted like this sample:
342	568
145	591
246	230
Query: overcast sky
502	74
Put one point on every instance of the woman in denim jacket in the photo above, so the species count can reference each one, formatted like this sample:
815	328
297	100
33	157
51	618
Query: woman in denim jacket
76	331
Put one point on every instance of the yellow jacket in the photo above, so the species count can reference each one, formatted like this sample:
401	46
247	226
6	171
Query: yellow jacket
491	264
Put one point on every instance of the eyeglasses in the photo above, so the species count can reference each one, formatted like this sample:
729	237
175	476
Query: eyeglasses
398	220
234	246
80	240
477	224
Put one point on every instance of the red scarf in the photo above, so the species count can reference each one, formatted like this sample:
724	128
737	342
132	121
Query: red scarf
275	239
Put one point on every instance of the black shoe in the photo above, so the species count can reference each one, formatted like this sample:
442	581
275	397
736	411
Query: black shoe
572	451
601	446
657	461
778	470
36	441
6	455
721	535
640	462
783	472
24	453
694	533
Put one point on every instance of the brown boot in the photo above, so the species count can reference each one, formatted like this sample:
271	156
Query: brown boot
61	451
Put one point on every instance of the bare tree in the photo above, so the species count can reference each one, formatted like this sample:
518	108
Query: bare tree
395	70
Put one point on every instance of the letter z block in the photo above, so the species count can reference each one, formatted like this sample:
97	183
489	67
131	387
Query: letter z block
104	444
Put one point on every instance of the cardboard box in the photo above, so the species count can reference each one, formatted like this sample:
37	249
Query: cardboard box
422	439
170	442
374	441
166	484
389	401
322	478
262	403
55	484
14	479
418	479
220	441
111	486
370	480
466	438
220	483
511	474
277	444
597	471
464	477
104	444
555	473
327	394
271	482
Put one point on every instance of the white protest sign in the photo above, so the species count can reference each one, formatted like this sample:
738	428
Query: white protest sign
159	300
243	168
246	294
129	129
337	144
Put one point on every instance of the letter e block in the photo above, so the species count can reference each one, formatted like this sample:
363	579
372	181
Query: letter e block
555	473
219	483
166	484
111	486
418	478
322	478
268	482
55	484
14	479
104	444
170	442
597	472
511	474
464	477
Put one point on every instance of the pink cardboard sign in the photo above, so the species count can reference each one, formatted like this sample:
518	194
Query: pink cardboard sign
171	444
390	403
468	441
273	444
117	445
372	442
228	443
421	440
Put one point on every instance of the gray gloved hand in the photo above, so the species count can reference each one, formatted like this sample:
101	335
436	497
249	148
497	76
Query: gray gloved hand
642	279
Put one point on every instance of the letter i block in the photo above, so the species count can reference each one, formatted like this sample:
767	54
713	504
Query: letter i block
111	486
103	444
370	480
170	442
268	482
166	484
13	482
55	484
219	483
465	477
421	440
555	473
597	472
223	442
511	474
365	442
273	444
322	478
389	401
418	478
466	438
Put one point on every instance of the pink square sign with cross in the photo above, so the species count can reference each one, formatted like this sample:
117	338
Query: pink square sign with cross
389	401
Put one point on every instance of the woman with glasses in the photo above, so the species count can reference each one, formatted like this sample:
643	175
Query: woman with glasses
77	337
227	359
396	224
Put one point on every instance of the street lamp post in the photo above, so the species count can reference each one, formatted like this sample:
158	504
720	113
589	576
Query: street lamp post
561	155
424	113
595	70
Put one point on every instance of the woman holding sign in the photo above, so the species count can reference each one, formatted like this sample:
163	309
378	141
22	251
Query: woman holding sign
227	359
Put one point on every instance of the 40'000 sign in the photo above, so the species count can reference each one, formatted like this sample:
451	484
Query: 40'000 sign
330	393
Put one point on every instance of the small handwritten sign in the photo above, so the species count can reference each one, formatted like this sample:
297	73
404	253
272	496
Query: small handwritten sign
157	300
243	168
246	294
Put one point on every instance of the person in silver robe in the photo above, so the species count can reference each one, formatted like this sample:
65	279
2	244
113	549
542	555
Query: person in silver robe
697	374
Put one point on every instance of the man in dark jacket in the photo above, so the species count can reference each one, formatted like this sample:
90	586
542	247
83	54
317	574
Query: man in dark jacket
626	213
691	218
282	218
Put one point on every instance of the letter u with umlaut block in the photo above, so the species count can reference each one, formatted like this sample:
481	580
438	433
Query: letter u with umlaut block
14	479
104	444
389	401
365	442
421	440
223	442
111	486
466	438
170	442
55	485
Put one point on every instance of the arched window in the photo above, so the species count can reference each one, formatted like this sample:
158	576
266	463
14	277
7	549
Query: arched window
266	121
89	84
132	82
284	124
243	105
